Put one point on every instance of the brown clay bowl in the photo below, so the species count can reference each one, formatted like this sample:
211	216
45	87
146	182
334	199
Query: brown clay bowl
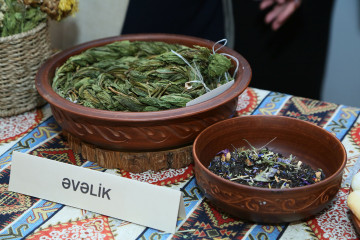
140	131
309	143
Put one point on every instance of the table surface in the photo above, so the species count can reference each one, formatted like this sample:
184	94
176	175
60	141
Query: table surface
36	132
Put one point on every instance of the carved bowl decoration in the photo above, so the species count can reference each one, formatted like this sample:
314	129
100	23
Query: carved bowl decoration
141	131
309	143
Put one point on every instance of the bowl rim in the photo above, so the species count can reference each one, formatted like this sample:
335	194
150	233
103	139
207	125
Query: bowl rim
45	90
323	183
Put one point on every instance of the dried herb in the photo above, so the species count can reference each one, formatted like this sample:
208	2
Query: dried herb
140	76
55	9
263	168
16	17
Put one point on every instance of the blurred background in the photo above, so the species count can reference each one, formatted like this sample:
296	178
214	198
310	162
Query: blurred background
342	75
341	84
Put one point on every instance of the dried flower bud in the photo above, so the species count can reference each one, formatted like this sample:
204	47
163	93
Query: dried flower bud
299	164
276	178
50	7
3	9
228	156
33	3
3	6
66	8
1	19
58	9
248	162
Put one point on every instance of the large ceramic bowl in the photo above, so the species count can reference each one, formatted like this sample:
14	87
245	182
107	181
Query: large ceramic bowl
140	131
309	143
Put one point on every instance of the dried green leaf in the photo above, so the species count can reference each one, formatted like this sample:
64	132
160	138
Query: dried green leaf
178	100
130	103
155	102
218	65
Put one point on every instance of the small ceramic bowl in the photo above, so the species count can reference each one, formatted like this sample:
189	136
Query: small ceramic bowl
309	143
140	131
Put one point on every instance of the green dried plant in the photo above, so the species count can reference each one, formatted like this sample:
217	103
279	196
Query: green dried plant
140	76
16	17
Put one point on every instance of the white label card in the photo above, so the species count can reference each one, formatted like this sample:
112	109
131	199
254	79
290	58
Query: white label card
141	203
213	93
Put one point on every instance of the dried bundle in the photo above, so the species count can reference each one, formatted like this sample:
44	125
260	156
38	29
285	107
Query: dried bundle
140	76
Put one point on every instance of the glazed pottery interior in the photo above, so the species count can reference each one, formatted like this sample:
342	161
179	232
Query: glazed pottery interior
308	142
141	131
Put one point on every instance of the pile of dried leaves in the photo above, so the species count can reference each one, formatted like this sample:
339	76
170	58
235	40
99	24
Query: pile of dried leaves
139	76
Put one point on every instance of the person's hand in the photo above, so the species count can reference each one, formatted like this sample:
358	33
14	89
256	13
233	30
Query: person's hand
280	12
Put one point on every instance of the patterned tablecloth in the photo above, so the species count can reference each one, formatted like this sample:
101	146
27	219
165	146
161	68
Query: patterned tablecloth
36	132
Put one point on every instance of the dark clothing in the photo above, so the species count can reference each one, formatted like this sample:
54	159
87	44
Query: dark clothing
199	18
291	60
